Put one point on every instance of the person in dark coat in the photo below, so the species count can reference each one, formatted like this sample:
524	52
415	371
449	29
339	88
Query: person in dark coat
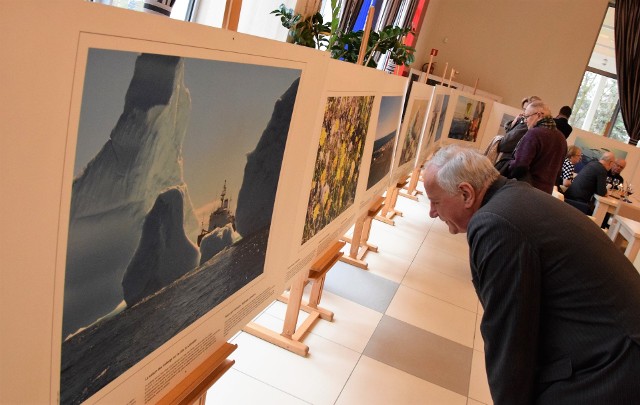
562	121
515	130
591	180
539	156
561	321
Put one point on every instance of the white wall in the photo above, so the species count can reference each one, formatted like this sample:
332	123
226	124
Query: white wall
516	48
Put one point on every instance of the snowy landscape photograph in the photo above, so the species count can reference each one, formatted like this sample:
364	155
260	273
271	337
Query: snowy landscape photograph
176	170
413	130
441	104
386	134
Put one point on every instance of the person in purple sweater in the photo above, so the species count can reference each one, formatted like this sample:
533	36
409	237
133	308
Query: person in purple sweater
540	153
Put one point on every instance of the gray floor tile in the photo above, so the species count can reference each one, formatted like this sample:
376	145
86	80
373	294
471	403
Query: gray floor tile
360	286
422	354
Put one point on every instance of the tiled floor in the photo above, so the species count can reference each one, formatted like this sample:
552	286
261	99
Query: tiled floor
406	331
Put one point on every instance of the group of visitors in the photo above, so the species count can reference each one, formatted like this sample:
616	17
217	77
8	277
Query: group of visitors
597	177
534	148
561	320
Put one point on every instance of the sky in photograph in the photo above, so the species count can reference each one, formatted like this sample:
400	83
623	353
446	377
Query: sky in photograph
389	116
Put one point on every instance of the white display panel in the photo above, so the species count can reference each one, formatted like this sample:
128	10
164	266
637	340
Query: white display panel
441	114
412	130
136	354
335	172
379	154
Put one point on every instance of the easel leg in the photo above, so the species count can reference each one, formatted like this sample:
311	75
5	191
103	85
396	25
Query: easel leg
412	193
360	245
389	211
291	337
293	307
356	243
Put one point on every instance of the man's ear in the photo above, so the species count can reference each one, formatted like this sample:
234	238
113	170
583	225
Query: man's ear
468	194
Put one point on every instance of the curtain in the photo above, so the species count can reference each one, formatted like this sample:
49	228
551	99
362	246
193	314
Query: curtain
349	15
396	12
627	39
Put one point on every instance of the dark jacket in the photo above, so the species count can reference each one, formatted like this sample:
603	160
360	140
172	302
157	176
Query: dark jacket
539	157
512	137
591	180
561	321
563	126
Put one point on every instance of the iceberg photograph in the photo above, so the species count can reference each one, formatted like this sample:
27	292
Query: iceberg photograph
177	163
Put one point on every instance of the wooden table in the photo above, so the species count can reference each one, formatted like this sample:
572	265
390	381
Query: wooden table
609	204
629	230
604	205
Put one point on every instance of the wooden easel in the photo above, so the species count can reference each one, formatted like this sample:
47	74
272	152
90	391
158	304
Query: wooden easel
412	193
290	338
361	231
193	389
388	210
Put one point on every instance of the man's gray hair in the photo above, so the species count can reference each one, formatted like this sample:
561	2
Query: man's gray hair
539	106
459	164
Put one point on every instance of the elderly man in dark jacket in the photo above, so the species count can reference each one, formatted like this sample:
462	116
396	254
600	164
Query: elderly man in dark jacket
561	322
591	180
539	156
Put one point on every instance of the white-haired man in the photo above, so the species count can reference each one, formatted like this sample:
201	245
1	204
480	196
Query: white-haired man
539	155
561	319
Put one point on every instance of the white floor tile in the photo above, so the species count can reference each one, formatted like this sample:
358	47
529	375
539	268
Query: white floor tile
399	245
456	246
375	383
474	402
453	262
317	378
236	388
433	315
387	265
443	286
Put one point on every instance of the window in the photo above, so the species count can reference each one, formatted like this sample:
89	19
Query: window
597	105
178	11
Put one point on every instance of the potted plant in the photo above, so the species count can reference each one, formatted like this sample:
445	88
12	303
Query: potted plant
313	32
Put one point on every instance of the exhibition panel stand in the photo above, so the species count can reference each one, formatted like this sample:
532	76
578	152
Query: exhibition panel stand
389	210
411	191
291	337
359	240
